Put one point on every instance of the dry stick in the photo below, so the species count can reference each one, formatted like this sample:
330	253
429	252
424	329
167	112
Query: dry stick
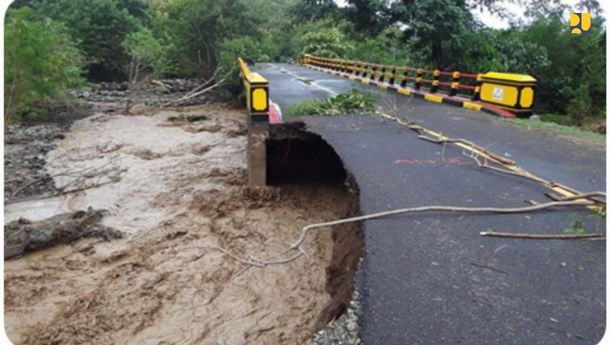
520	173
541	236
68	173
184	98
469	143
591	196
204	84
457	209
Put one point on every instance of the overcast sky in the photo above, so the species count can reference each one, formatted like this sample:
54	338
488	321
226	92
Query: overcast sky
496	22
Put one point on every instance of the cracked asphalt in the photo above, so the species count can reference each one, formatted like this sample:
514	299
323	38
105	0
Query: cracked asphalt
431	278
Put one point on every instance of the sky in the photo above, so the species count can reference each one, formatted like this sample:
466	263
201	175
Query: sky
496	22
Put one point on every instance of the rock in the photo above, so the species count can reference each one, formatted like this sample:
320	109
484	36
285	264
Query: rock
535	117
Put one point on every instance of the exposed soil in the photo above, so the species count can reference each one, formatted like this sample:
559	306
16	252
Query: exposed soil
177	190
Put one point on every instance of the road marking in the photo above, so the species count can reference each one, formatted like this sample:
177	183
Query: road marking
313	83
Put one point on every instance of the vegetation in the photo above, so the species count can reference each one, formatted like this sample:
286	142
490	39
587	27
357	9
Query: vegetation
41	61
201	38
353	102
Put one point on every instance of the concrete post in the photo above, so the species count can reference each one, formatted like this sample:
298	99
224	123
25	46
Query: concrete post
258	134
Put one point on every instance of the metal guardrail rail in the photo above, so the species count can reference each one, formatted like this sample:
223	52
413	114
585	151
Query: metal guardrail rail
488	91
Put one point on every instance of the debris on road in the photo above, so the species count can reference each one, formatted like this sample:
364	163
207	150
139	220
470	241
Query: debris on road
543	236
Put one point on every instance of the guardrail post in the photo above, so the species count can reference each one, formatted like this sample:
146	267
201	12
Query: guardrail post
373	72
257	99
455	83
382	76
418	78
393	75
435	80
405	77
365	70
476	95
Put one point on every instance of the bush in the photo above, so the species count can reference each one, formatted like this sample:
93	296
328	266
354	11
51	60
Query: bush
346	103
41	61
580	107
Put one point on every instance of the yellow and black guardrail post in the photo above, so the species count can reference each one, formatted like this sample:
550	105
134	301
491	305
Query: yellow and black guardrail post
476	94
435	80
405	77
419	78
256	89
455	83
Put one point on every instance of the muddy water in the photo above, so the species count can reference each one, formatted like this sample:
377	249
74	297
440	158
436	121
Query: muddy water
177	189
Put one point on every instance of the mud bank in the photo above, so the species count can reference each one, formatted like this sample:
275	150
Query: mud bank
177	190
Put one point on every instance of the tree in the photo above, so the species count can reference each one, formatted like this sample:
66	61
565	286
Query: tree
99	26
147	60
328	42
41	61
312	10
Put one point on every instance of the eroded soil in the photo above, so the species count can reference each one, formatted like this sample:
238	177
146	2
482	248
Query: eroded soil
177	190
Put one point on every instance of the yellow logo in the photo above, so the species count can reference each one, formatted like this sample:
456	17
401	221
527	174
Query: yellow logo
580	22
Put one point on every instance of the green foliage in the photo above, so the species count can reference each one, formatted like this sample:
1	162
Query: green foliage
100	26
227	61
580	104
328	42
576	228
200	29
41	61
146	51
385	48
346	103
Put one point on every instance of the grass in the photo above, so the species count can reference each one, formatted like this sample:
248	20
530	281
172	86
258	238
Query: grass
354	101
569	131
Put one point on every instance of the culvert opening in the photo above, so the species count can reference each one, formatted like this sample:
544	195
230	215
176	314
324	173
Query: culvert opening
298	157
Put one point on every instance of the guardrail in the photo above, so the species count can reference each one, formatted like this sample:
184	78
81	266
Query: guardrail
492	91
256	89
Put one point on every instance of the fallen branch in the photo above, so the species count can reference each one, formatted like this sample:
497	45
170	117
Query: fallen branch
196	94
453	209
541	236
593	196
471	144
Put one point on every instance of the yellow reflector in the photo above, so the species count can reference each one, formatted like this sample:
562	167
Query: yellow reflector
527	97
259	99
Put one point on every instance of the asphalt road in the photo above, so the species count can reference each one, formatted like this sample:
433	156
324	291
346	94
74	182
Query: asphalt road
430	278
